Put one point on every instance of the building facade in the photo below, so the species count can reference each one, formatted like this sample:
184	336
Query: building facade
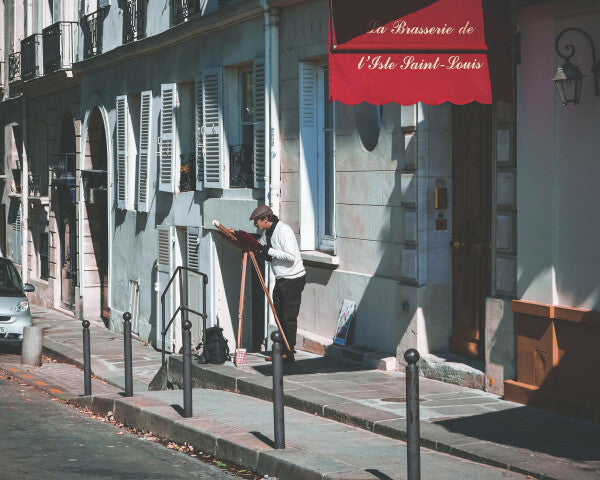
443	223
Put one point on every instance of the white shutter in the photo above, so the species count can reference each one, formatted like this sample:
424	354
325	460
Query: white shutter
122	140
212	131
259	123
308	155
143	201
169	160
199	139
194	282
164	265
193	247
17	239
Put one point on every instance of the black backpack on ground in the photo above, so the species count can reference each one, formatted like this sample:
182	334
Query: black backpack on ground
216	349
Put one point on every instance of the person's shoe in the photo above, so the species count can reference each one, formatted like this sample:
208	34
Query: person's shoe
289	358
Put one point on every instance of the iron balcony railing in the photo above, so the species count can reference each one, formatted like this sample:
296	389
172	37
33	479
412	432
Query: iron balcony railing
92	34
37	187
241	166
187	177
62	166
60	46
134	20
14	67
184	9
93	181
31	57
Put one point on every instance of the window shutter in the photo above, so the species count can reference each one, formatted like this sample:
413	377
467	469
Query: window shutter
212	131
122	130
18	241
164	266
193	247
259	123
143	202
199	139
169	160
308	155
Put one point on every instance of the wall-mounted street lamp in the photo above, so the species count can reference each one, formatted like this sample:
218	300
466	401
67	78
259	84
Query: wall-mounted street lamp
568	78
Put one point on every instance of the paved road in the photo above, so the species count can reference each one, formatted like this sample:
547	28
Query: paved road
44	439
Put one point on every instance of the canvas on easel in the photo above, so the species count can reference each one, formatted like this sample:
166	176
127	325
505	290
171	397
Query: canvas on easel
345	317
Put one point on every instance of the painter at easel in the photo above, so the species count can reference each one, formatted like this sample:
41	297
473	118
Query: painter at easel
281	249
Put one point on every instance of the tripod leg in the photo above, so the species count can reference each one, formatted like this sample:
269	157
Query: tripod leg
241	307
266	290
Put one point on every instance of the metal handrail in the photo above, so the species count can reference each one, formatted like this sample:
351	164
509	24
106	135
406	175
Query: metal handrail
182	308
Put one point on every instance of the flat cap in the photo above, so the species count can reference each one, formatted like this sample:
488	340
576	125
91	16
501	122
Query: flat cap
261	211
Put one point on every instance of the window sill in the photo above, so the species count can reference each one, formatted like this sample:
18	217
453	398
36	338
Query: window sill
320	259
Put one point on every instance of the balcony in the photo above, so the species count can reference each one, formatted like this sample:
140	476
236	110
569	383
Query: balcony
92	33
38	187
184	9
14	67
94	186
241	166
62	166
187	173
60	46
134	20
31	57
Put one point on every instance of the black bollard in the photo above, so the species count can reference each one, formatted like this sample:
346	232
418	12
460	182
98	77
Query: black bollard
87	362
187	368
413	441
278	419
128	359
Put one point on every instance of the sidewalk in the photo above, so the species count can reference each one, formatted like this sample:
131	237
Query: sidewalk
465	423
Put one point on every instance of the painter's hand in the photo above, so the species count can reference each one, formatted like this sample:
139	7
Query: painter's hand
265	249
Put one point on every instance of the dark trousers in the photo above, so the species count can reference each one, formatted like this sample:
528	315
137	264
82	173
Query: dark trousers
287	295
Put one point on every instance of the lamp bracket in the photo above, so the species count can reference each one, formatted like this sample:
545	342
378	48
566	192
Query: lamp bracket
595	64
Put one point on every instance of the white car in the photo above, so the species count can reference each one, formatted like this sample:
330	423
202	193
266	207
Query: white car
14	306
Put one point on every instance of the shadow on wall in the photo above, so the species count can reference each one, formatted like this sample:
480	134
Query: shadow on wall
378	229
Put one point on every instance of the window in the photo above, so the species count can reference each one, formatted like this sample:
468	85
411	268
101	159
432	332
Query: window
235	160
241	156
368	124
317	163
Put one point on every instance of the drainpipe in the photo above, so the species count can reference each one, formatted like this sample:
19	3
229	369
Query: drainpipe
275	140
24	198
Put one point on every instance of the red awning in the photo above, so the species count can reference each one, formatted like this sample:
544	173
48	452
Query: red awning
430	51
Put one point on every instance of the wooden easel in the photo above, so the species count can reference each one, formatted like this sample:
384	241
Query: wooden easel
248	249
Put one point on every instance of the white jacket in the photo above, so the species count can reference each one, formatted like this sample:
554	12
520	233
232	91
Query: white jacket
287	262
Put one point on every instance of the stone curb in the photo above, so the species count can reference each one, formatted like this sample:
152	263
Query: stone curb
222	441
344	411
331	407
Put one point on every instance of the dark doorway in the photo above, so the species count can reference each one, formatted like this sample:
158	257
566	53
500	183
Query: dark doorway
95	220
68	264
471	233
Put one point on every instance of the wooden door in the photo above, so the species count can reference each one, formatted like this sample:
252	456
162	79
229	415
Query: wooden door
471	242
